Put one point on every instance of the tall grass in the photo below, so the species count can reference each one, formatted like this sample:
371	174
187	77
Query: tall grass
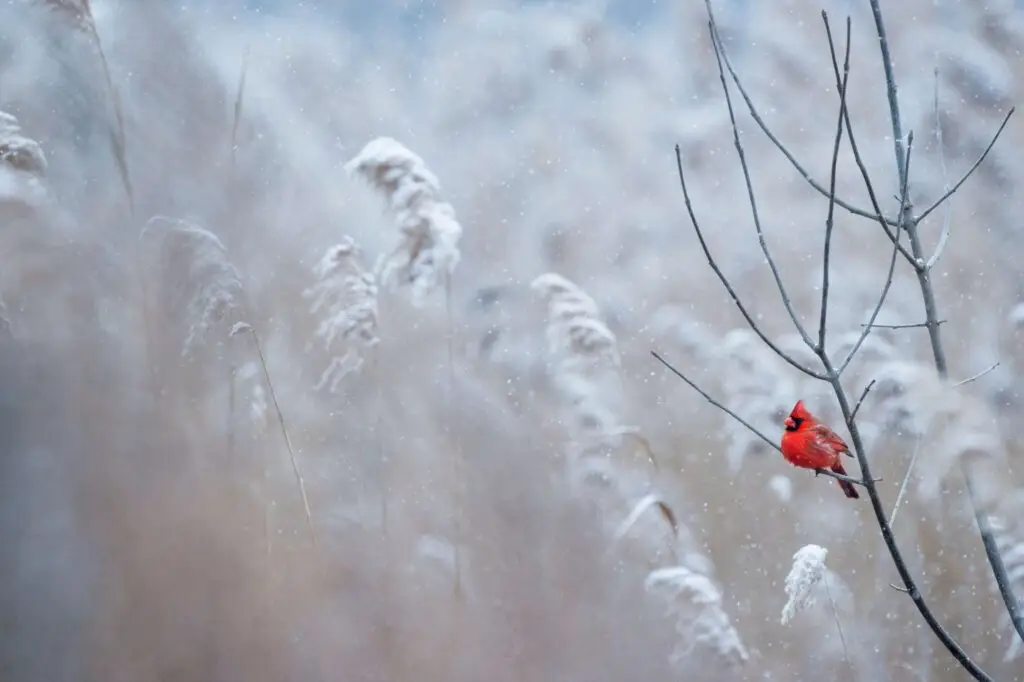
604	522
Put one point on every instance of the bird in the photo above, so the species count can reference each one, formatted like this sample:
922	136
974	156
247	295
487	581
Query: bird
809	444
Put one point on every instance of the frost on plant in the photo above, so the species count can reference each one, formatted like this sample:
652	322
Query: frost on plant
700	619
199	286
585	364
585	370
428	248
22	164
808	570
345	299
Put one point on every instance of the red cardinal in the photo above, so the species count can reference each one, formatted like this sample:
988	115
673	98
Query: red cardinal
808	443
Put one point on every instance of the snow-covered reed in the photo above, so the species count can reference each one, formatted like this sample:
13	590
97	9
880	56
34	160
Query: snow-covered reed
427	250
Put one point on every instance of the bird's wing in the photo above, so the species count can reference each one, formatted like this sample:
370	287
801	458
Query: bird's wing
830	438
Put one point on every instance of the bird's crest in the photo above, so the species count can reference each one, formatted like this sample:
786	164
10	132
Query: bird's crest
800	412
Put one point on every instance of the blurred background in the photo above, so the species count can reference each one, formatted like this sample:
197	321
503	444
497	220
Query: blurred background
150	520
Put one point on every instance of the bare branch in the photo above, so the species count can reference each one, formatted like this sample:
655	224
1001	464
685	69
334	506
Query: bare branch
725	280
842	477
888	278
832	188
927	292
894	236
975	377
750	193
970	171
998	567
904	199
863	395
906	479
775	140
890	88
746	424
717	404
915	325
947	218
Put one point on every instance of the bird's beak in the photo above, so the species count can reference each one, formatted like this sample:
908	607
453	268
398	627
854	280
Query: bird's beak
789	423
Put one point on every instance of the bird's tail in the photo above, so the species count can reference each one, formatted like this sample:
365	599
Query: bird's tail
848	488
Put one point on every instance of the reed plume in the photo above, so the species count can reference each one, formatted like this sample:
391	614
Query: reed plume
585	368
427	251
345	298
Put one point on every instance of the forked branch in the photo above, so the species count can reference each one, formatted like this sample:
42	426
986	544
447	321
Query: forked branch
753	201
831	374
923	269
725	280
759	120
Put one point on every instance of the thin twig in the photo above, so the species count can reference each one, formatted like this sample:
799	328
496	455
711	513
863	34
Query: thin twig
714	402
456	437
904	201
894	236
863	395
839	626
754	114
889	275
970	171
746	424
988	539
750	194
284	430
906	479
81	14
947	218
232	380
916	325
829	220
725	280
239	97
977	376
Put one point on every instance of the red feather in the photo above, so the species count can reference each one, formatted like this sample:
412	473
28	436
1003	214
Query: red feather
809	444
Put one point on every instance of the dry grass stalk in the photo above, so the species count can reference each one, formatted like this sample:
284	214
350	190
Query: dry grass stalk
241	328
200	285
79	12
425	255
345	296
428	250
236	117
585	369
202	291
